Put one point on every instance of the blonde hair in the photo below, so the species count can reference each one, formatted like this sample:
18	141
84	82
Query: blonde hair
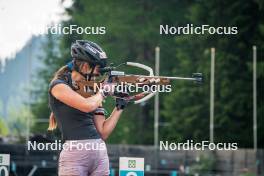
52	122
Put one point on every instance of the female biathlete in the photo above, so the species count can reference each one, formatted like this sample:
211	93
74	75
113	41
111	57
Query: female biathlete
82	120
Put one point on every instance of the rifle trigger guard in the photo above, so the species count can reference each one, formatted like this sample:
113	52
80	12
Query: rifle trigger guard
151	73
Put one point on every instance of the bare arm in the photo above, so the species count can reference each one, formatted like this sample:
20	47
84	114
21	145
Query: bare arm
106	126
66	95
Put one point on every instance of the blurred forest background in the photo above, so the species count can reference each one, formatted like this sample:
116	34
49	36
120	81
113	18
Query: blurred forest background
132	33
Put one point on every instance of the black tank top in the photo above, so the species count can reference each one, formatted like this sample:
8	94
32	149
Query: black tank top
73	123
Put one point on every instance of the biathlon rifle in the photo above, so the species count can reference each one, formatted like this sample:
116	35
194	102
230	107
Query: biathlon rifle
86	88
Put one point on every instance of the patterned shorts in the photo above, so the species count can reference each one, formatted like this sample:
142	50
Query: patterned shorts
84	158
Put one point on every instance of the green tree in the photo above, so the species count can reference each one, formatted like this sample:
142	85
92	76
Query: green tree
17	120
188	108
3	128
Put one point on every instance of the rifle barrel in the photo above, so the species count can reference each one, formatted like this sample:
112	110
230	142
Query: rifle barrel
166	77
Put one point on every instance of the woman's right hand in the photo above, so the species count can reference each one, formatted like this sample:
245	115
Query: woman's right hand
107	89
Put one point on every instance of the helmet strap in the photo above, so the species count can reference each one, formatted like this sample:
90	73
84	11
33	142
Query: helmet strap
91	73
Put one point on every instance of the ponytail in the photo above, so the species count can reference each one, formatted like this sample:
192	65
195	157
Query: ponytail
52	122
59	74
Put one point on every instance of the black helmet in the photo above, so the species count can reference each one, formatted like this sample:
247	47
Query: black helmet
88	51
